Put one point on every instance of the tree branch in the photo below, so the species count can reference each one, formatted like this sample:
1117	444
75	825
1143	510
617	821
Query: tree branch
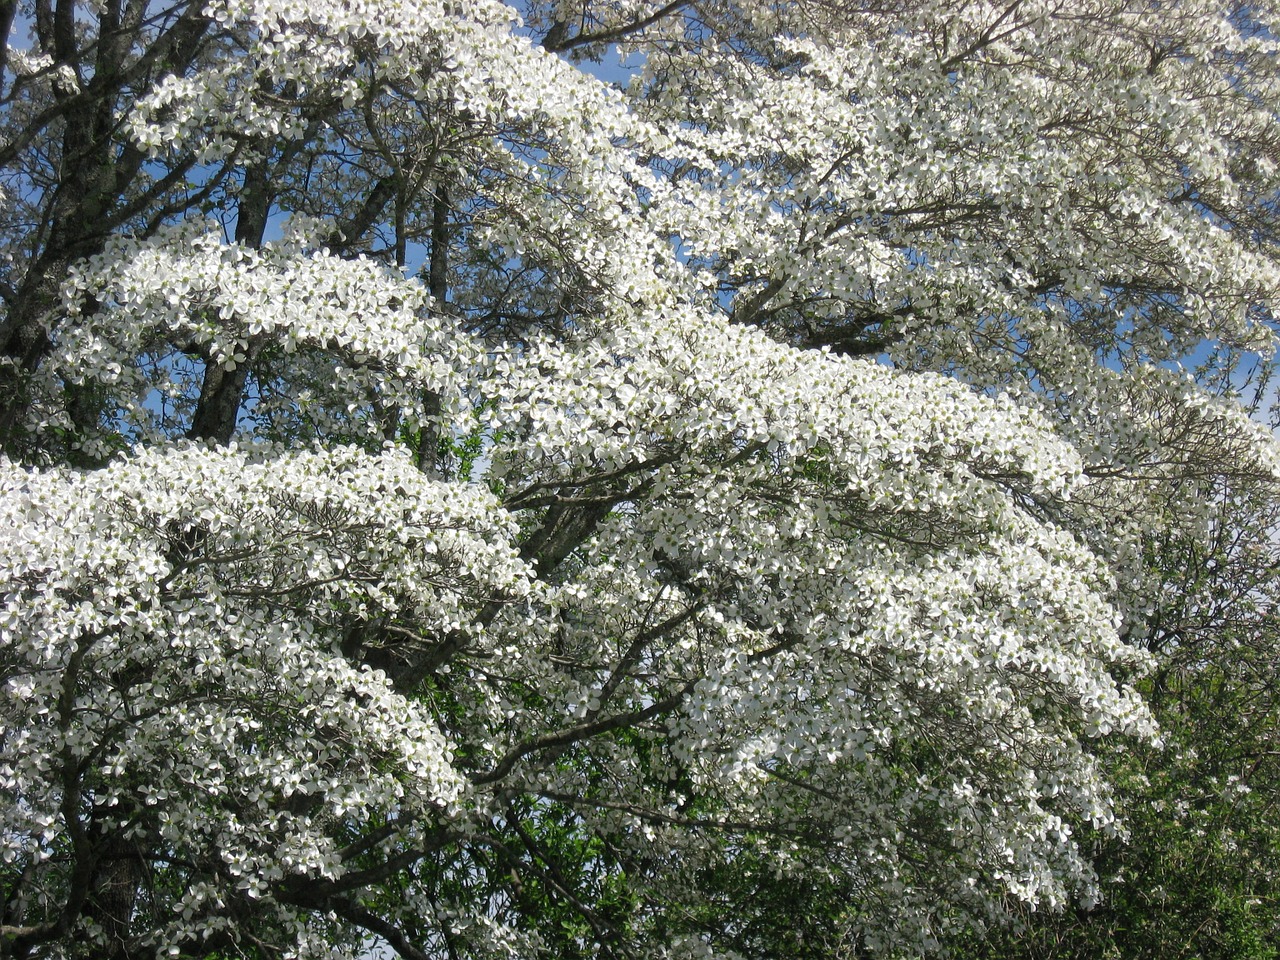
556	40
583	731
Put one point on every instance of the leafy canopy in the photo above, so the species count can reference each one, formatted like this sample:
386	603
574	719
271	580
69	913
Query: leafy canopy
450	500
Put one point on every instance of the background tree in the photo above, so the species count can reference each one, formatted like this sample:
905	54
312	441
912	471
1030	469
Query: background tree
453	501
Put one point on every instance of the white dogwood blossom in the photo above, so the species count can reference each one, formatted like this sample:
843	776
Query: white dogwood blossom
454	503
152	643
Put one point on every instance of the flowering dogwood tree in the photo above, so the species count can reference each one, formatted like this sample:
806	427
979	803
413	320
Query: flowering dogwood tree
450	501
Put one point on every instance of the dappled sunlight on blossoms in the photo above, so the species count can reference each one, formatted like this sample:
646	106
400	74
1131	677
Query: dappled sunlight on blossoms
452	503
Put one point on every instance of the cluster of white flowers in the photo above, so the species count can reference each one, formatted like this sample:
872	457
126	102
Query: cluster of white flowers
187	292
848	576
814	487
171	631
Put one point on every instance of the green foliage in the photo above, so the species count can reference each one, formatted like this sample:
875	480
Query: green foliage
1197	872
